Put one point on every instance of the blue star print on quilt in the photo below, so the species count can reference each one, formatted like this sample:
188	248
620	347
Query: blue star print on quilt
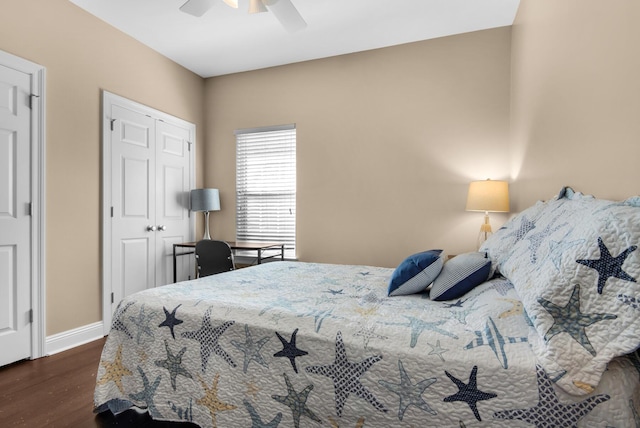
549	412
537	238
569	319
492	338
469	392
346	377
290	350
521	231
170	319
609	266
118	323
147	394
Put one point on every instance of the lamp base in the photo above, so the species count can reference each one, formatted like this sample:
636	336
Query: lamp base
485	230
207	235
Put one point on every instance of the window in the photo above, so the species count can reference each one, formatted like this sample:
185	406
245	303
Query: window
266	186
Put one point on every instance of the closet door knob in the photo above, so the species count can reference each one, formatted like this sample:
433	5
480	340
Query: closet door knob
162	227
151	228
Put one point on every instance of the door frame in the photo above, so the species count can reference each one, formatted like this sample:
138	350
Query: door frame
37	167
108	99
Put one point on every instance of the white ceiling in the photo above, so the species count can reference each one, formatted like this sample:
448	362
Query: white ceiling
226	40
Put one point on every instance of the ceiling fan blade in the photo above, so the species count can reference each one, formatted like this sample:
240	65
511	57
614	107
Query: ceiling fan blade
256	6
287	14
232	3
196	7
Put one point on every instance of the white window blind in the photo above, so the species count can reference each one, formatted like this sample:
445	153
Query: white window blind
266	186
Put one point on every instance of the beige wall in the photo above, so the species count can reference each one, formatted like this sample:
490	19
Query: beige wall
575	98
388	141
82	56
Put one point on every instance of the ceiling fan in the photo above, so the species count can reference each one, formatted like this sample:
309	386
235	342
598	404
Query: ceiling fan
283	10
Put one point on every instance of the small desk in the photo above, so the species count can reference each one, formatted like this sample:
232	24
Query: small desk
259	247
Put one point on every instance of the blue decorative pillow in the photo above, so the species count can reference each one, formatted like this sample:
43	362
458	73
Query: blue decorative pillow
461	274
415	273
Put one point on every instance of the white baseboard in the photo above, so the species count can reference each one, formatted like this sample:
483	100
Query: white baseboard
71	338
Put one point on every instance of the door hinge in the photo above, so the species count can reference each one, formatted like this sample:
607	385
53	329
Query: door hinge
29	209
189	143
30	316
112	298
31	97
113	121
111	212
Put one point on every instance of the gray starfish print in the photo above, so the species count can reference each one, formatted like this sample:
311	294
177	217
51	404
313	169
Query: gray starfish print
173	363
367	332
537	238
208	337
437	350
147	394
569	319
256	421
410	394
251	349
346	377
418	325
142	321
297	402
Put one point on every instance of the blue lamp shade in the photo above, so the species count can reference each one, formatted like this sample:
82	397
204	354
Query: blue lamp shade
205	200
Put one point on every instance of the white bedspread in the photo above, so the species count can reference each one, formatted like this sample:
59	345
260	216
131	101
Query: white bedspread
290	344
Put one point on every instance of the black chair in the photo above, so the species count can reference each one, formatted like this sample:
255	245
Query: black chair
213	257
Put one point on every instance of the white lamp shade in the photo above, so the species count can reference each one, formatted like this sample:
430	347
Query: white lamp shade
205	200
488	196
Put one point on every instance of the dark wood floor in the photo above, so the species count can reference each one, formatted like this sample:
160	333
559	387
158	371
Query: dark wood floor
57	391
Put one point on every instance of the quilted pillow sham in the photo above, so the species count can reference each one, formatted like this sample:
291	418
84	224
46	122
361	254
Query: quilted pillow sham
415	273
499	245
577	270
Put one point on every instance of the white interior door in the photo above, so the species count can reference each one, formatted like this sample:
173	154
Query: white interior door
148	174
133	201
172	189
15	218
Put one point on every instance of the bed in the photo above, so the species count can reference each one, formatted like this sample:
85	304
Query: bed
543	334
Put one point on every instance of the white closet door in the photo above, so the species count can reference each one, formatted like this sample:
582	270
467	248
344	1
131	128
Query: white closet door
15	220
147	176
173	186
133	198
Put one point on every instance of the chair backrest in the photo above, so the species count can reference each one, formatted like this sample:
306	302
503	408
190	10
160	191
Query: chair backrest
213	257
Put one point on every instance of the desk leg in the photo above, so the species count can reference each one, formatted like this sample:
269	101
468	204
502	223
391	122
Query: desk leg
259	255
175	270
282	252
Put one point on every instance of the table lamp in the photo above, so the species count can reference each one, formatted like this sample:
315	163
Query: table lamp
488	196
205	200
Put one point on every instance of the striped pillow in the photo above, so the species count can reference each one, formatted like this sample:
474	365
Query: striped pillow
415	273
461	274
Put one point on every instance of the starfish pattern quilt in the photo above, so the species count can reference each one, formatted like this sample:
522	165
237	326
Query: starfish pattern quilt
291	344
